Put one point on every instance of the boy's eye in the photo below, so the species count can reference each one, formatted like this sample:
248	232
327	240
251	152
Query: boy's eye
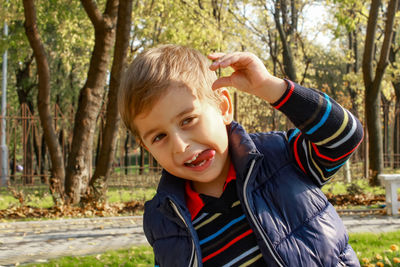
158	138
187	121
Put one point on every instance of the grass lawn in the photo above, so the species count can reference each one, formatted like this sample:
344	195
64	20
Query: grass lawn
340	187
370	248
377	249
136	256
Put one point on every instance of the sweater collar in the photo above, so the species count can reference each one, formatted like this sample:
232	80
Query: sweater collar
194	202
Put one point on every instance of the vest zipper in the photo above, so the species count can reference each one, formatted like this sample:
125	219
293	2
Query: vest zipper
193	258
252	217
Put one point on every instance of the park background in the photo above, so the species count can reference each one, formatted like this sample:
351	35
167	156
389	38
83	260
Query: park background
64	151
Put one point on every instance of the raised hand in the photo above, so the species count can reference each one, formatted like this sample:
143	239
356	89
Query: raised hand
250	75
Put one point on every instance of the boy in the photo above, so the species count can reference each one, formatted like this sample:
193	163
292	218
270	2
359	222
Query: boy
228	198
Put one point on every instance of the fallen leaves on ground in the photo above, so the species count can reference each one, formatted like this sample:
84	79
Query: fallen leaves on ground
341	203
361	204
355	200
89	210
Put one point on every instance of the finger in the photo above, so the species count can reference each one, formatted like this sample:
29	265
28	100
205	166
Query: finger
222	82
221	61
215	55
226	61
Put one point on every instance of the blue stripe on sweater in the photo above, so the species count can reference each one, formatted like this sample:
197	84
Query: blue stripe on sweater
324	118
336	167
221	230
293	134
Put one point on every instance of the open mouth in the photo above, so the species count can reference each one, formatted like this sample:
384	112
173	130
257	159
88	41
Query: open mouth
200	159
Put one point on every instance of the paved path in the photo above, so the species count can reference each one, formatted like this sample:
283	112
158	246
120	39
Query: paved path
371	224
36	241
39	240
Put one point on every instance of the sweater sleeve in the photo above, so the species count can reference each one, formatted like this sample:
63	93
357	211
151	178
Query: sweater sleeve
326	134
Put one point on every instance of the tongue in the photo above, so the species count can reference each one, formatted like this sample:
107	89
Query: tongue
205	155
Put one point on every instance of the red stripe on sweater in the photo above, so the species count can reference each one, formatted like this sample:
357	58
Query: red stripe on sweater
331	159
227	245
288	95
296	154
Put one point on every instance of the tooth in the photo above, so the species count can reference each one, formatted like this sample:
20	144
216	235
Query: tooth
201	163
193	159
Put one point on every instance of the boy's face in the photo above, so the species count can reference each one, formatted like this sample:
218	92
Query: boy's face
188	136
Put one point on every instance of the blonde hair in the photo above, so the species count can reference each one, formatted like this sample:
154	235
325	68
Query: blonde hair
152	73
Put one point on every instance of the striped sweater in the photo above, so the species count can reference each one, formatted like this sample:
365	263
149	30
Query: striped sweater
321	143
226	238
325	133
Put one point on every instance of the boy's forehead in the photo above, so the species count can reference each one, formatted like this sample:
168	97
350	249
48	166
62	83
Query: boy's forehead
181	86
151	99
174	93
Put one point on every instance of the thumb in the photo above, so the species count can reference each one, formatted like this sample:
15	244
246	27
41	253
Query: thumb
222	82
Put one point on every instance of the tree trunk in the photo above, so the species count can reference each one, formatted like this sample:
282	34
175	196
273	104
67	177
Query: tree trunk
24	89
36	148
386	131
375	154
43	152
28	147
126	153
286	32
353	67
109	137
394	49
43	97
90	100
396	129
372	84
142	160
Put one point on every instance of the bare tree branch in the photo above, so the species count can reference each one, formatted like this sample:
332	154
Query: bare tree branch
93	12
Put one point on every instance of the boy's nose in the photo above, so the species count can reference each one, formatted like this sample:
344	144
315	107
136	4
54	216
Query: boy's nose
179	143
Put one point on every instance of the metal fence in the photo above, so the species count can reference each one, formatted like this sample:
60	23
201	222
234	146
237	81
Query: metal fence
29	162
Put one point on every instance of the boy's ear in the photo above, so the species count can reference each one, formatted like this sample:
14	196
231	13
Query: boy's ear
144	146
139	141
226	106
